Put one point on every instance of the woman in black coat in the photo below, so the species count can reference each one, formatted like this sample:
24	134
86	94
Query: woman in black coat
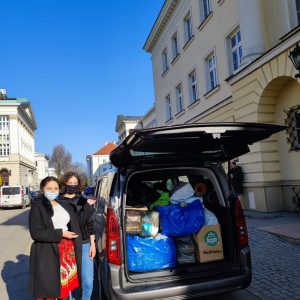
71	195
56	232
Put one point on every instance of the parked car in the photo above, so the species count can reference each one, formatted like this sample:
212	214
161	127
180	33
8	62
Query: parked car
33	195
14	196
149	161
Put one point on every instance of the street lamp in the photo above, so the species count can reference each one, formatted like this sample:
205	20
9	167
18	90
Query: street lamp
295	58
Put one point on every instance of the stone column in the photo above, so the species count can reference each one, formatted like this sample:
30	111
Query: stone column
252	29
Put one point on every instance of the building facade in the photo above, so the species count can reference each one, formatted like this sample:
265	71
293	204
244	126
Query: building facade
149	119
17	144
42	167
126	123
228	60
99	162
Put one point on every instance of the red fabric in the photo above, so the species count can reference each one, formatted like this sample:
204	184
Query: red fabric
68	269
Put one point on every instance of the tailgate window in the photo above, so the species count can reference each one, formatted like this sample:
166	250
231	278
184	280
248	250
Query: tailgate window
9	191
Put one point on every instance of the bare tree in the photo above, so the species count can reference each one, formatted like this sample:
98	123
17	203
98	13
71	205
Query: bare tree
61	160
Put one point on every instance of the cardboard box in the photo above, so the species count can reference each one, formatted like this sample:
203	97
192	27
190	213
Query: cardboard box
133	219
209	246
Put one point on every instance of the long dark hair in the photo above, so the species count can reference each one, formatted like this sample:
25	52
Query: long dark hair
65	179
46	180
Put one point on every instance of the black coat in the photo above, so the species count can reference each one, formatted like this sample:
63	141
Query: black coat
44	270
236	177
85	215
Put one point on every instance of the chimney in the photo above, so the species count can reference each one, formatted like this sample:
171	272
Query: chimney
3	95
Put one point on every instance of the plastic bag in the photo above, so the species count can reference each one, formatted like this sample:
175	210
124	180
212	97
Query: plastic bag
183	191
150	224
181	221
150	254
210	218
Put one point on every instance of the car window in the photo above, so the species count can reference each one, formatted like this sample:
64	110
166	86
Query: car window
96	193
104	188
10	191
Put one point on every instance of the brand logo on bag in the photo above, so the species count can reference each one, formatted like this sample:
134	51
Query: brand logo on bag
211	238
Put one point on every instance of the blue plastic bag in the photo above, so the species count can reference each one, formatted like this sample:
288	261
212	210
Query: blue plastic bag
181	221
150	254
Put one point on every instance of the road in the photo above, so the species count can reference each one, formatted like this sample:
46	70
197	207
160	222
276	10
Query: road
14	259
15	244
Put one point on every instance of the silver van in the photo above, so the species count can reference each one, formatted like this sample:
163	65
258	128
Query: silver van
151	162
14	196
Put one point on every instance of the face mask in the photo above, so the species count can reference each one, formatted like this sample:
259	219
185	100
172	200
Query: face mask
51	196
72	189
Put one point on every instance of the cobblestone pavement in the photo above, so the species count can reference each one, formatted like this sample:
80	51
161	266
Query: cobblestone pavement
276	266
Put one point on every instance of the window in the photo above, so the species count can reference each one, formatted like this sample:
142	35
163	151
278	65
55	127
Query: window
293	128
168	108
211	72
298	10
4	150
4	136
179	98
165	60
236	50
4	123
175	47
188	29
205	9
193	87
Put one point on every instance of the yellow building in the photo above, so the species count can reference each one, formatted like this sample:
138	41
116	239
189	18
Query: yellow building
228	60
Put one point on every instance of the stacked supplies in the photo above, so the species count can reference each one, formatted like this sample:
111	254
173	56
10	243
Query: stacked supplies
185	247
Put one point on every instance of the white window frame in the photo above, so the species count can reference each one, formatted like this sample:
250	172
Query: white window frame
168	107
188	27
193	86
211	71
165	60
175	45
179	98
297	4
5	137
205	9
237	48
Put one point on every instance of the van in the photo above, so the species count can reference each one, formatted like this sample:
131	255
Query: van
199	244
14	196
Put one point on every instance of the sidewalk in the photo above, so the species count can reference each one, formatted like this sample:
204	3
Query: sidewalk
283	224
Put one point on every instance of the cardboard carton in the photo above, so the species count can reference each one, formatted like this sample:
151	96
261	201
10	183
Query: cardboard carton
209	246
133	218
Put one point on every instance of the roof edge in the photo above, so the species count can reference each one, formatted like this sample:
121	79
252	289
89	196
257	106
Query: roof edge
159	24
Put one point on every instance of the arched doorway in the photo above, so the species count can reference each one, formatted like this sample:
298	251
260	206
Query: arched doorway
281	105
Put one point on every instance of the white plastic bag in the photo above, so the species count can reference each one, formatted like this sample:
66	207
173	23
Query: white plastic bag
184	191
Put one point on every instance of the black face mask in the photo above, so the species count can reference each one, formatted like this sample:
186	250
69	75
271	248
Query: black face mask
72	189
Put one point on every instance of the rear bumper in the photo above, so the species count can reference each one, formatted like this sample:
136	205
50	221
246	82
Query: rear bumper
184	289
11	204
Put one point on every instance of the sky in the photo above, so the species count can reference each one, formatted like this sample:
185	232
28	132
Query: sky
80	63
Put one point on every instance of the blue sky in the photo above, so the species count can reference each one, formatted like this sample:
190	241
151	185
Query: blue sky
80	63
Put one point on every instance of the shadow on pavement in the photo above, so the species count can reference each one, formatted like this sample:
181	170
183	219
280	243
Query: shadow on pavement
15	276
21	220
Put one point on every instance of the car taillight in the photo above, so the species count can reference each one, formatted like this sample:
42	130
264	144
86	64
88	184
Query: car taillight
113	245
241	226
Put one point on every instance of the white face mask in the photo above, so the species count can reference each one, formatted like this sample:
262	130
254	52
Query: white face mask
51	196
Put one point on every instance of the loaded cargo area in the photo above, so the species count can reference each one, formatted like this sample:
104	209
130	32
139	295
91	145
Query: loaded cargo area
176	223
